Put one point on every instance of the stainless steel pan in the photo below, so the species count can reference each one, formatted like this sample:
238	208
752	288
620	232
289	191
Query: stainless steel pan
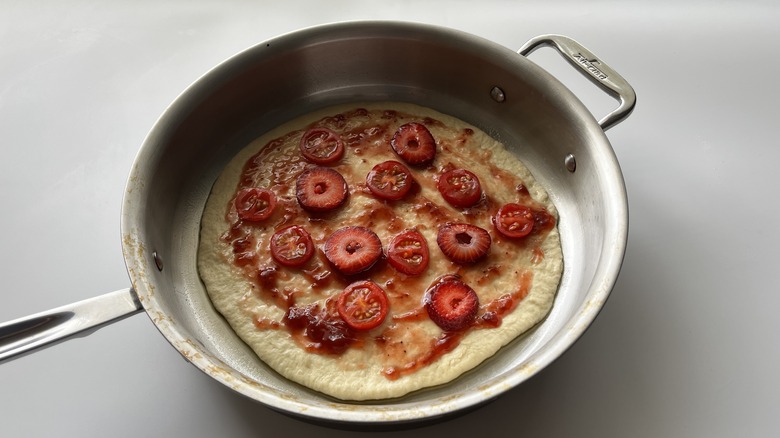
488	85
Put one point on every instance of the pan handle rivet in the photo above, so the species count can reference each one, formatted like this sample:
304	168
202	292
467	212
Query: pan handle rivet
497	94
570	163
157	261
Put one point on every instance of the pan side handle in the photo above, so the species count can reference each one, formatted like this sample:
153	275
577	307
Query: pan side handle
28	334
594	69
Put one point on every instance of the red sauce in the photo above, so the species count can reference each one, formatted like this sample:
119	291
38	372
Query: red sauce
490	315
522	190
543	220
267	278
322	329
440	346
317	327
416	315
267	324
319	276
537	255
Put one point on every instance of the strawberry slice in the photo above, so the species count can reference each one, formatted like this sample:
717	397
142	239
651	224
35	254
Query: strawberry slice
463	243
353	249
321	189
451	304
414	143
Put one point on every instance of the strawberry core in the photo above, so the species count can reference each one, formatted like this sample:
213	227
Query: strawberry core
463	238
353	247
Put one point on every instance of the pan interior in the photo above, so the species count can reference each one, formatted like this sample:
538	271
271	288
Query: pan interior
451	72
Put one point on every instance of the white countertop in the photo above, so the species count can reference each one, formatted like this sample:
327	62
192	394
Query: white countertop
687	345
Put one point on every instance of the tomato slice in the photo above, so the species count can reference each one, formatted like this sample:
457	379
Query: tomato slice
363	305
514	220
460	188
255	204
322	146
408	253
389	180
292	246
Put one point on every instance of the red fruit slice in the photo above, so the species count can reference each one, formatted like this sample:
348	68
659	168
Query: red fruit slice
363	305
514	220
414	143
322	146
460	188
353	249
389	180
463	243
292	246
321	189
408	253
255	204
452	305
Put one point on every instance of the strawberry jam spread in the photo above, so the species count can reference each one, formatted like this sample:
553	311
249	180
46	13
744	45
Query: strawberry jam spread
355	182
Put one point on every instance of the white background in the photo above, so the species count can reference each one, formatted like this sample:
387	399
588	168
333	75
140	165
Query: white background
687	345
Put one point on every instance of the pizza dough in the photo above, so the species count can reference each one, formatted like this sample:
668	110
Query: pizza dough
518	276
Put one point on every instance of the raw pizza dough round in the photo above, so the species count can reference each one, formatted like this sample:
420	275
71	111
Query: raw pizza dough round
393	359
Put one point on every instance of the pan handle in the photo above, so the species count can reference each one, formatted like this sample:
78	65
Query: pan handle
31	333
594	69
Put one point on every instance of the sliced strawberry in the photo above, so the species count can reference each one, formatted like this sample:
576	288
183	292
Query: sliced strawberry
451	304
463	243
321	189
353	249
414	143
